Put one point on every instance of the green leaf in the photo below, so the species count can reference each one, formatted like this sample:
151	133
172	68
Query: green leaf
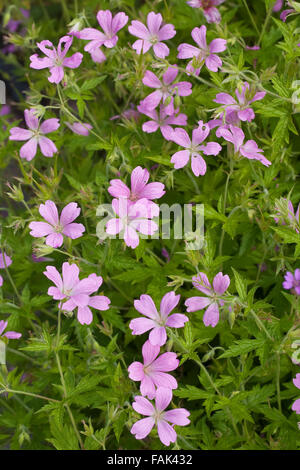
242	346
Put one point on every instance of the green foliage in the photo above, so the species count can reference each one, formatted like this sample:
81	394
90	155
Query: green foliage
72	390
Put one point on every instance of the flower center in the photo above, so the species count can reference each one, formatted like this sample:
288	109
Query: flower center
153	39
58	228
58	62
206	4
134	197
158	415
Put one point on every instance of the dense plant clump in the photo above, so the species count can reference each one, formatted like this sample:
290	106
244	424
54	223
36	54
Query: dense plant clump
115	334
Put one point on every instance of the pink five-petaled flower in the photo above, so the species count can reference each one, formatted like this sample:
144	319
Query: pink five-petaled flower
56	226
203	53
201	282
210	11
140	188
292	281
75	292
110	25
8	334
159	417
193	148
296	404
56	60
164	89
249	150
79	128
241	109
5	261
35	136
152	36
132	218
152	373
161	120
157	322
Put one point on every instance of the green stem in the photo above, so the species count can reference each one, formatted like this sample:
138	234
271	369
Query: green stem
261	325
251	17
35	395
278	382
63	381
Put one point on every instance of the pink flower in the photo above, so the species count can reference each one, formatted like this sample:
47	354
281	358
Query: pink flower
132	218
239	109
110	25
164	89
5	261
161	120
285	13
56	226
8	334
152	36
252	48
250	150
56	60
157	322
296	404
293	218
201	282
157	416
130	113
76	293
79	128
292	281
35	136
140	188
152	374
204	53
210	11
193	148
278	5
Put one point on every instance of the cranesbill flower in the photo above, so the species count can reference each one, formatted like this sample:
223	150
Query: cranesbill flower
161	120
292	281
193	148
140	188
56	60
278	5
159	417
56	226
165	89
5	261
152	35
110	25
296	404
249	150
157	321
132	218
79	128
35	136
210	11
204	53
285	13
76	293
293	218
152	373
8	334
214	297
130	113
239	108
